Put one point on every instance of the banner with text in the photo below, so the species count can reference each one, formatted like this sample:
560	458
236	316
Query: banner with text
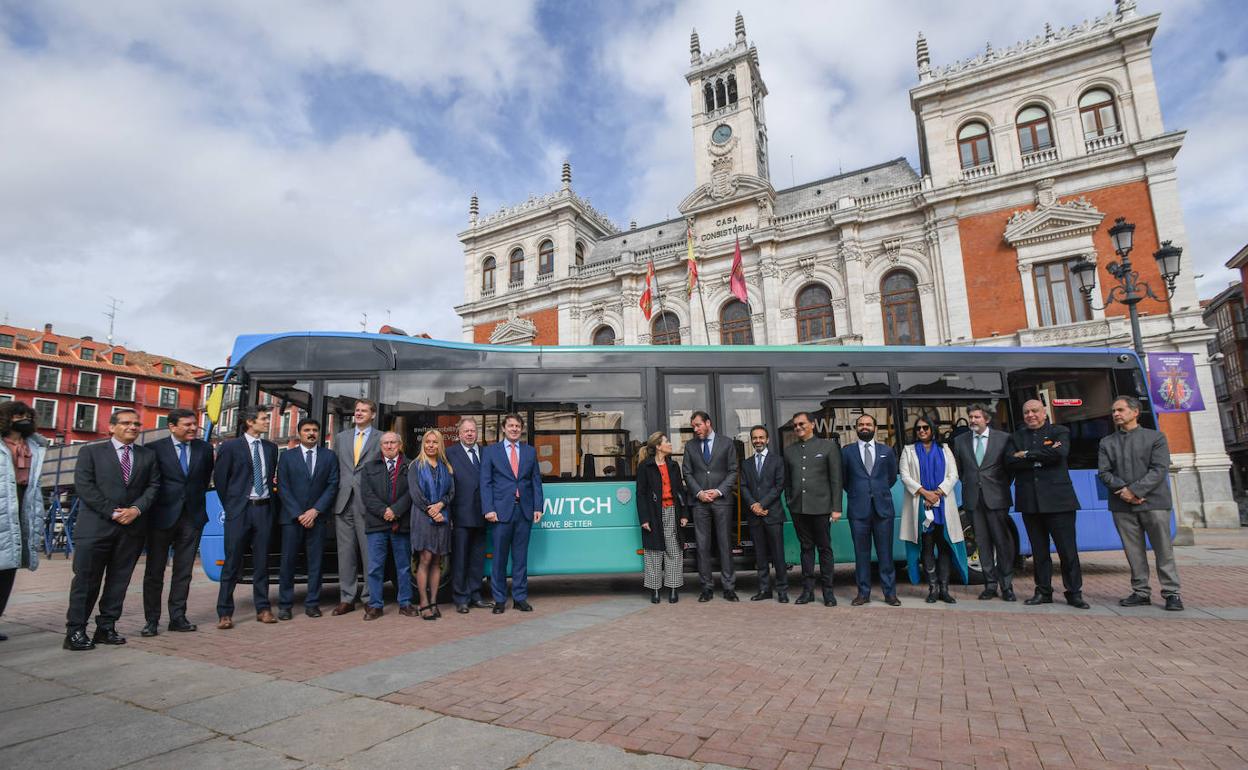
1172	384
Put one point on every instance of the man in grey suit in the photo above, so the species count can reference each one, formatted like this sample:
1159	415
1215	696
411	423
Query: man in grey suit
980	455
356	447
710	469
813	492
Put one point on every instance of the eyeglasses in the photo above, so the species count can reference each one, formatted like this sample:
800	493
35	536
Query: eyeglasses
922	427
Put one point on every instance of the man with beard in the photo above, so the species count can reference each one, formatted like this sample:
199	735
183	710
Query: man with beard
870	470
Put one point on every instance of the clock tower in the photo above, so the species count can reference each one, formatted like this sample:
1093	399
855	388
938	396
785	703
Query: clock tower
729	128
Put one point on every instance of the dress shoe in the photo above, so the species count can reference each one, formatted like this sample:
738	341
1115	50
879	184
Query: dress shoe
988	593
1135	600
943	594
761	595
462	609
860	600
182	625
1076	601
806	598
782	597
150	628
225	623
522	605
408	611
1039	598
829	600
1008	595
4	637
480	604
673	597
654	596
265	616
344	608
78	641
499	608
731	596
108	636
312	611
372	613
931	594
1174	603
892	601
284	613
706	595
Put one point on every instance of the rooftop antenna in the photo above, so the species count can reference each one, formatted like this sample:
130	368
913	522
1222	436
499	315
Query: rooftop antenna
111	315
364	322
792	175
387	315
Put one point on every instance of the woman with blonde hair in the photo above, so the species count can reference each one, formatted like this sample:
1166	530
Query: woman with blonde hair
433	487
661	502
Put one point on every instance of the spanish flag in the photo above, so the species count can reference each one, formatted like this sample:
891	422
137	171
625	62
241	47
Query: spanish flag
647	296
691	276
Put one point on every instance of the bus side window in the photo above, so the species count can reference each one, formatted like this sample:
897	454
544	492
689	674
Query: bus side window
1080	399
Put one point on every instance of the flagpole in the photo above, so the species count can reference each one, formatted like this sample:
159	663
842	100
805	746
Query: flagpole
705	322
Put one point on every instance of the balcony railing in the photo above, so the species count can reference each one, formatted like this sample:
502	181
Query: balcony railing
87	426
487	291
1098	143
106	391
544	277
515	283
1040	157
982	171
1221	392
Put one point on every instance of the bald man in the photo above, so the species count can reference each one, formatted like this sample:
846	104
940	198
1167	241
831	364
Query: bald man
1036	457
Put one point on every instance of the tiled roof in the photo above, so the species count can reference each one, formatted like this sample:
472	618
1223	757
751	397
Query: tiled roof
27	345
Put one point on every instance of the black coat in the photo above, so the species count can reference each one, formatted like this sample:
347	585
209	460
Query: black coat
181	491
650	501
765	489
375	492
98	482
1041	479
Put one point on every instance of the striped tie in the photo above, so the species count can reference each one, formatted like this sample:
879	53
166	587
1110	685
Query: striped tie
125	464
257	477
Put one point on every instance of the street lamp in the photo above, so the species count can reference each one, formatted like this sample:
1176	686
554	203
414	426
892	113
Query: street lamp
1130	289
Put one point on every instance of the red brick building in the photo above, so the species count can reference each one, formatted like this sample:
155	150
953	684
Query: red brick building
76	383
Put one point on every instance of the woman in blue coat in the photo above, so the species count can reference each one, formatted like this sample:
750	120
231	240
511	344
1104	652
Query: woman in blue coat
21	501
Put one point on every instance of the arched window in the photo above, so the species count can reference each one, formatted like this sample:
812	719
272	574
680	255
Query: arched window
517	267
604	335
546	258
1097	113
708	96
665	330
1035	133
734	324
732	89
721	97
973	146
580	253
814	313
487	275
903	319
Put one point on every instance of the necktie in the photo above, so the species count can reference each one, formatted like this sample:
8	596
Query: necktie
472	452
182	459
979	449
125	463
758	464
257	476
308	458
359	445
706	451
868	458
515	466
394	477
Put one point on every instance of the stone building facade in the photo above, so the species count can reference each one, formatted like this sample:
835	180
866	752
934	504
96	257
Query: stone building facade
1026	155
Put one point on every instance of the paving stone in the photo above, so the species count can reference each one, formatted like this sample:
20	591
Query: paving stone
27	692
452	744
128	736
577	755
251	707
219	754
328	733
185	682
58	716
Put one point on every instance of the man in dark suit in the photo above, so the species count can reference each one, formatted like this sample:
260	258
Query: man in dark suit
762	477
710	468
467	520
307	484
245	478
870	470
1036	456
980	455
813	492
356	447
511	494
176	520
116	482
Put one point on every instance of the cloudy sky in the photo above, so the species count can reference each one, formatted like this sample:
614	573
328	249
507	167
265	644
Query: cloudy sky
231	166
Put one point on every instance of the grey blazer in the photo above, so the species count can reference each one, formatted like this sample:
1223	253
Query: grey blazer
348	470
720	473
991	479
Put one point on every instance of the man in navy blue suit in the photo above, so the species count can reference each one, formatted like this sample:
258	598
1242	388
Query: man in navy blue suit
307	484
176	519
870	470
245	478
511	494
467	520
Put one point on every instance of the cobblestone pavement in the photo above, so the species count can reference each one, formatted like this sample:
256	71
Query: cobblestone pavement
598	677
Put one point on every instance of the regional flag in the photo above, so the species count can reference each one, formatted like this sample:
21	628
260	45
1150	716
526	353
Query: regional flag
215	399
736	282
691	275
647	298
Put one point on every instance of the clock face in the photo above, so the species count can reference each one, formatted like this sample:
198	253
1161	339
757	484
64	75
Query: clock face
721	134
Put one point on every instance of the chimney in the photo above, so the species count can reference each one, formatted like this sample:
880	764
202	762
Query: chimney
47	328
87	339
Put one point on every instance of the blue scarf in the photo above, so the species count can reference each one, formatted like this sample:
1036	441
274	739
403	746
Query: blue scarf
931	476
435	482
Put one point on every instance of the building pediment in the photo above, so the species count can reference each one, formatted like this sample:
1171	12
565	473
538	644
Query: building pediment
514	331
717	193
1053	222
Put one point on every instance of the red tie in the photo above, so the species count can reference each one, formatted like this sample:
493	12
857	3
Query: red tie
394	478
515	465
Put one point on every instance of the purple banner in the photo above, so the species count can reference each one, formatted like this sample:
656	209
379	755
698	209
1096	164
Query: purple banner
1172	384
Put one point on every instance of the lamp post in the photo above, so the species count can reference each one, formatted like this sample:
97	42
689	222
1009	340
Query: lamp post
1130	289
